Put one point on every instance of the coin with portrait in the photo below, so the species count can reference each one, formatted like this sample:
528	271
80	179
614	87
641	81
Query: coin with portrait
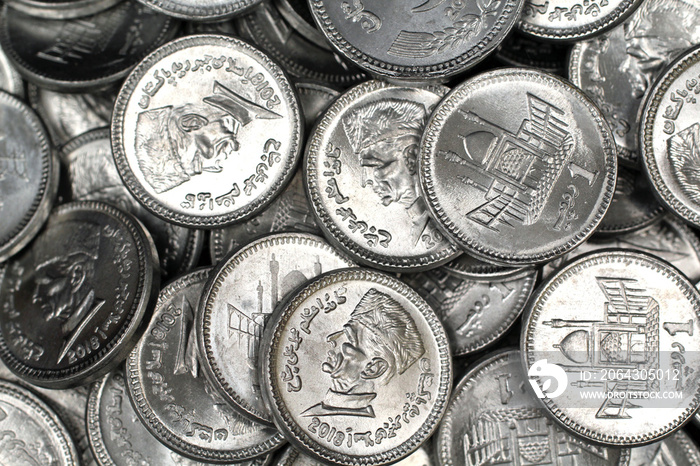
340	353
361	168
206	131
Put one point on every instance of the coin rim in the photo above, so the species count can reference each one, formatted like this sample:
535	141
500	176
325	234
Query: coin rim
225	11
585	31
147	414
114	351
322	214
444	69
151	203
430	138
650	110
538	300
283	418
217	282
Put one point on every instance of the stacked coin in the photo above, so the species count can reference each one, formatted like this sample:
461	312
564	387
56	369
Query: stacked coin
416	254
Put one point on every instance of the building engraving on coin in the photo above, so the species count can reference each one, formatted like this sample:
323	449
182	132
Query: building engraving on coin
684	154
341	352
206	131
633	354
378	342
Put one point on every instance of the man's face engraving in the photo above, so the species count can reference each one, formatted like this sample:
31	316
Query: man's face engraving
60	285
656	34
385	137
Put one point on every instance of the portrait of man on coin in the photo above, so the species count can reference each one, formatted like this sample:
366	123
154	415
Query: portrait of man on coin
378	342
64	276
656	34
385	136
175	143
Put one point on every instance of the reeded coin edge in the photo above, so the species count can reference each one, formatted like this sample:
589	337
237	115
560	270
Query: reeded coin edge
107	357
432	132
40	209
296	69
40	408
507	321
585	31
444	69
35	76
126	93
534	309
92	423
145	412
217	283
691	451
322	213
574	71
283	418
649	116
193	13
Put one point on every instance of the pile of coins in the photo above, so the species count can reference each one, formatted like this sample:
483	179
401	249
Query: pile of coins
439	232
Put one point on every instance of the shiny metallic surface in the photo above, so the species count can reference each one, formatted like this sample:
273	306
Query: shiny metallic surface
521	50
93	176
573	20
28	175
676	450
507	423
73	301
10	79
670	137
236	120
471	268
617	68
475	313
61	9
172	397
338	355
238	301
633	205
69	115
86	53
608	321
201	10
421	40
302	57
293	457
32	433
360	166
290	212
517	166
669	239
315	99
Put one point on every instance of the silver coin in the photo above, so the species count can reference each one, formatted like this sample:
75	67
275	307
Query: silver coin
201	10
339	355
315	99
28	175
669	239
475	313
293	457
618	332
10	79
93	176
518	166
521	50
617	68
670	141
119	438
573	20
418	40
30	432
507	426
298	14
238	301
290	211
61	9
82	54
471	268
69	115
170	395
633	205
302	58
206	131
676	450
360	167
74	300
